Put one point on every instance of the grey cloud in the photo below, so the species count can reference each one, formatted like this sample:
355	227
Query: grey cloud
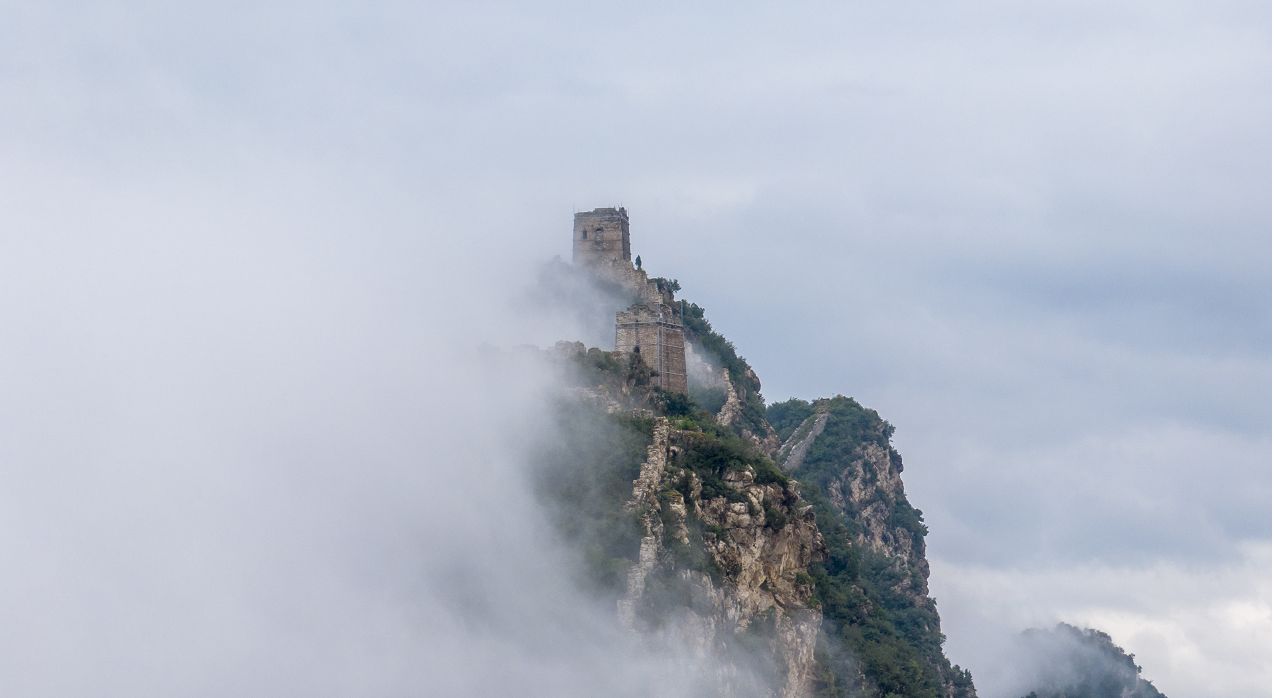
256	454
1035	238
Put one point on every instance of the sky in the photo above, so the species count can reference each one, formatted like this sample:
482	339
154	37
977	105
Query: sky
259	239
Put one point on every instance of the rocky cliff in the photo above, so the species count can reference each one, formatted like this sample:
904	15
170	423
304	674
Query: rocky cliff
735	549
874	581
777	543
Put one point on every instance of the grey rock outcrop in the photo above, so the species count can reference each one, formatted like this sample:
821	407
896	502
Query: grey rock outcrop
753	600
731	416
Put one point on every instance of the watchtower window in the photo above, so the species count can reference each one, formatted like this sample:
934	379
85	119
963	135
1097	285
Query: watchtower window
583	235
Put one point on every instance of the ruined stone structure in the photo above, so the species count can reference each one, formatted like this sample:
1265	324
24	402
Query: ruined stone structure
650	327
655	334
601	237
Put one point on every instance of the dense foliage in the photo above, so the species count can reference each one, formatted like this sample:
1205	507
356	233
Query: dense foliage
666	285
870	620
787	416
711	450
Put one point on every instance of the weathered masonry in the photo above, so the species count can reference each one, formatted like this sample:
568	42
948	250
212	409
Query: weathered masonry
657	337
650	327
601	237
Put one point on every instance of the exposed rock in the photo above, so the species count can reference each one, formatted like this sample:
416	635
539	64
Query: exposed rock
868	490
841	452
756	587
731	415
722	554
645	500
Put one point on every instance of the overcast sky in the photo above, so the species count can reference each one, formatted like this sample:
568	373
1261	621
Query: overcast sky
1034	236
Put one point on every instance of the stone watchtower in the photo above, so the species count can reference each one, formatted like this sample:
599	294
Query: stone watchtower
601	238
650	327
654	333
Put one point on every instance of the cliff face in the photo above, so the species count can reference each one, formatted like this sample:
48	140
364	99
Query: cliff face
733	414
777	544
701	542
875	579
737	550
866	490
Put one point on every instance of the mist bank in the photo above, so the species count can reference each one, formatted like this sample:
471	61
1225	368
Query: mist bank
255	451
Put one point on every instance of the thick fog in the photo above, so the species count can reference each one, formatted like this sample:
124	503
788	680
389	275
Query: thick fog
269	451
250	256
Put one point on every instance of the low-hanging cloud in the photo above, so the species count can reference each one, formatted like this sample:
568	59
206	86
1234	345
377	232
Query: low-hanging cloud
267	453
1036	239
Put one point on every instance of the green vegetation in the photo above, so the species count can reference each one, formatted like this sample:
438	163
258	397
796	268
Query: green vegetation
787	416
710	397
699	331
715	452
588	501
849	427
678	405
670	285
881	634
869	607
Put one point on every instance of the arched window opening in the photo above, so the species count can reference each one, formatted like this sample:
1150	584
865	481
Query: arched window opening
583	235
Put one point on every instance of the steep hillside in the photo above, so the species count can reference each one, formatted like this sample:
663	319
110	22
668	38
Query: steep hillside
690	530
777	542
742	407
873	584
